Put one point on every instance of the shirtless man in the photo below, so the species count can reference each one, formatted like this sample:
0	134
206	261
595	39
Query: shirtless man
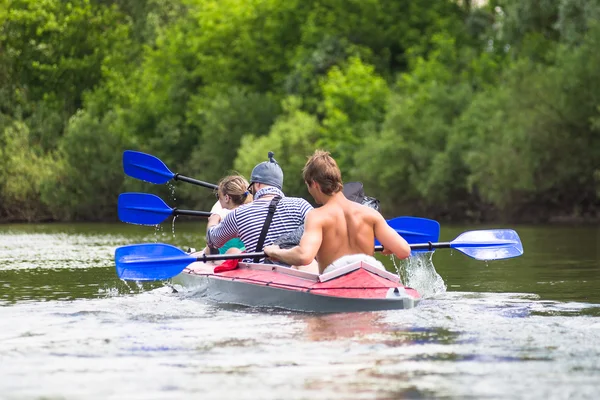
340	232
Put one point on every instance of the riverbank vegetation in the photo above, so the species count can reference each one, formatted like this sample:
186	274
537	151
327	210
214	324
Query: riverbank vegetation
443	109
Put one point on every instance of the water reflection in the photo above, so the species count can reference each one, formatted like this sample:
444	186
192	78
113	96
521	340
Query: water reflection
371	327
330	327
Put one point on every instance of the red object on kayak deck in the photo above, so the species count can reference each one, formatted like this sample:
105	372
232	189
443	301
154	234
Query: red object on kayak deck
227	265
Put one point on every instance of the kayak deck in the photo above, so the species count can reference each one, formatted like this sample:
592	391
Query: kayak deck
355	287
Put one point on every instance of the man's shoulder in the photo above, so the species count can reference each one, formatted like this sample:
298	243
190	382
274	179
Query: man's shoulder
295	200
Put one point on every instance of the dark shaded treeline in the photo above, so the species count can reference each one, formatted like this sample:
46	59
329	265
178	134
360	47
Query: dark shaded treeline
443	109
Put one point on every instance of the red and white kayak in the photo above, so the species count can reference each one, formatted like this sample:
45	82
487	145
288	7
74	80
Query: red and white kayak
355	287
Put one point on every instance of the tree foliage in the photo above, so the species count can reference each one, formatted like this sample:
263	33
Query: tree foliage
442	108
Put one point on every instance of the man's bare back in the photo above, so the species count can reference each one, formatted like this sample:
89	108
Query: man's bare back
347	228
340	227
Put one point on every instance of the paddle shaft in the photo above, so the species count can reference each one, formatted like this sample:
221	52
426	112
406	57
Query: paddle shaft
182	178
451	245
237	256
424	246
192	213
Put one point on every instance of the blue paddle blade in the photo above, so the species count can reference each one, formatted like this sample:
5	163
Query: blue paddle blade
146	167
492	244
150	261
142	209
415	230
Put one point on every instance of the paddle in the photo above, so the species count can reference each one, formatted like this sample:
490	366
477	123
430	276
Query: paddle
490	244
157	261
149	209
150	169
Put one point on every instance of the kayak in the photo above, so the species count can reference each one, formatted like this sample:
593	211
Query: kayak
356	287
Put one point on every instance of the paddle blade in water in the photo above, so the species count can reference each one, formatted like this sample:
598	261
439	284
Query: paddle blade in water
146	167
142	209
150	261
491	244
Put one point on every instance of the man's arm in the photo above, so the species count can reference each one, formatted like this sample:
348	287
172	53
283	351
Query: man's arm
392	242
308	248
219	231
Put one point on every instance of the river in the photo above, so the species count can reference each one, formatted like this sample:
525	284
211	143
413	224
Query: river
522	328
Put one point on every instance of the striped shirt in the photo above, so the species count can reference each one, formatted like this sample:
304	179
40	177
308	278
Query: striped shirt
246	222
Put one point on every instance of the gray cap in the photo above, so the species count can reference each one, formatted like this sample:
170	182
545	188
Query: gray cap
268	173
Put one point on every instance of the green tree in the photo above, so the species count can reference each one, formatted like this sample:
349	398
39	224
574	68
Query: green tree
537	144
411	164
224	118
291	138
22	173
352	97
87	179
48	55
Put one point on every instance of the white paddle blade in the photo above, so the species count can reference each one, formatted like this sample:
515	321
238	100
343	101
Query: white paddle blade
490	244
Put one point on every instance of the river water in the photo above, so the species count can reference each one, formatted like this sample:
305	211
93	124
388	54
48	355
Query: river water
523	328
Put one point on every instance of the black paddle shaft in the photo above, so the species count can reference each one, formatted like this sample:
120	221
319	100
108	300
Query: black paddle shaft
192	213
217	257
182	178
421	246
424	246
235	256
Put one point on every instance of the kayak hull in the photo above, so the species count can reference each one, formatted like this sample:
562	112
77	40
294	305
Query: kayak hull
358	287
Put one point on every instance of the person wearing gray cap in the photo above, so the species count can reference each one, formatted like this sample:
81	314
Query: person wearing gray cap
270	215
267	173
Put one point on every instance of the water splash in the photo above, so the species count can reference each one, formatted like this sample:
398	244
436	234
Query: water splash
158	231
399	271
173	198
109	292
418	272
173	226
171	187
123	288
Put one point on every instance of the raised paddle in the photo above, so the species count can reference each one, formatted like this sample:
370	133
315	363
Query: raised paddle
150	169
149	209
158	261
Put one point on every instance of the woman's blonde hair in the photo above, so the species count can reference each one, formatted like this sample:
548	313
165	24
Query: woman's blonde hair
236	187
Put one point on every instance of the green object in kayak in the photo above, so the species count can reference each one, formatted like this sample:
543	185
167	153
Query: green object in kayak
235	243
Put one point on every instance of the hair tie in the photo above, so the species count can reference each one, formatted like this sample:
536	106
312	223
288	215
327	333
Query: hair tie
246	193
